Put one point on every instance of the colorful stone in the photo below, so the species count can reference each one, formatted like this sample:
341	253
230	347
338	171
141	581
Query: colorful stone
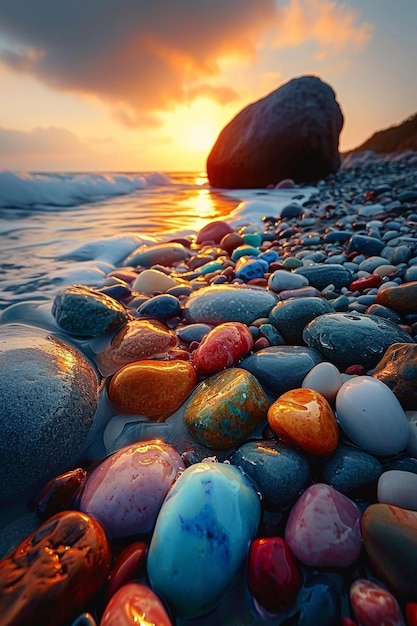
137	340
398	370
371	416
59	493
55	572
201	537
324	378
274	578
87	312
390	540
280	472
135	604
401	298
129	564
373	605
152	388
125	491
367	282
323	528
223	347
214	231
157	254
225	409
303	417
398	488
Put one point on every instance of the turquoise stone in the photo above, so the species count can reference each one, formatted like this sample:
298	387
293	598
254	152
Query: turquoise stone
244	250
202	537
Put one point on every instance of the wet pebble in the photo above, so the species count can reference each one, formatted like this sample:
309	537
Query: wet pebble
160	307
349	469
398	370
135	601
291	316
157	254
222	347
374	605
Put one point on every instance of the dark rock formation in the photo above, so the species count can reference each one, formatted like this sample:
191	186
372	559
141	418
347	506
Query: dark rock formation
291	133
393	139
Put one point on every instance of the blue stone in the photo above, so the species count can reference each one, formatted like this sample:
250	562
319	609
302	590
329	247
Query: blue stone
365	245
270	256
383	311
337	236
271	333
193	332
244	250
291	210
248	268
280	473
349	468
319	276
291	316
401	254
281	368
319	602
161	307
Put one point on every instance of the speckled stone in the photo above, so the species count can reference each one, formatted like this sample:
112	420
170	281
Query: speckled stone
401	299
48	394
290	317
398	370
320	276
350	468
227	303
87	312
374	605
346	339
225	409
281	368
279	472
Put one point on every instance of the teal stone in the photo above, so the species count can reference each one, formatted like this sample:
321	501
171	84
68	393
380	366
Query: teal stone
244	251
252	239
321	275
291	316
201	538
213	266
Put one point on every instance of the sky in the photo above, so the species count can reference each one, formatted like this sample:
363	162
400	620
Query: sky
135	85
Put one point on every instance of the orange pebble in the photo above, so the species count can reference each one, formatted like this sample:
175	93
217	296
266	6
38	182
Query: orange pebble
152	388
304	418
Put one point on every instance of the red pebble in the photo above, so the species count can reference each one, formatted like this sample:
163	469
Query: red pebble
260	344
215	231
58	493
135	604
374	605
346	621
368	282
355	370
231	241
411	613
129	564
273	575
223	346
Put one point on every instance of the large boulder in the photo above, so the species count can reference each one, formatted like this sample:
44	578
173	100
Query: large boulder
48	402
291	133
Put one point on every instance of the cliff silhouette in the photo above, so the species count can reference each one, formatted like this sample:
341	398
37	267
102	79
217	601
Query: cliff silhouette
393	139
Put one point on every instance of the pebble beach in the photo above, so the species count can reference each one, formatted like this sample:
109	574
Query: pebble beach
224	430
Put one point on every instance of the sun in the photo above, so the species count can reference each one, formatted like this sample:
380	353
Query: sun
201	135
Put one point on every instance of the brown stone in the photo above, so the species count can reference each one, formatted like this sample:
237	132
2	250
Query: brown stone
53	575
398	370
402	299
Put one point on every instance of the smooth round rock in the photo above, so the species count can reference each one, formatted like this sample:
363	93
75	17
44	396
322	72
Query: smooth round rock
135	604
152	388
325	378
281	368
348	469
274	578
136	340
59	493
214	231
398	488
48	394
157	254
151	281
390	539
161	307
371	416
201	537
401	299
374	605
279	472
323	528
87	312
319	275
319	602
346	339
55	572
222	347
125	491
227	303
225	409
398	370
283	279
129	564
291	316
303	418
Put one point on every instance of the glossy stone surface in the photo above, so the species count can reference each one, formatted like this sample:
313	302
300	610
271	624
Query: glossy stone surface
157	254
214	231
325	378
399	488
225	409
350	468
223	347
151	281
226	303
279	472
283	279
291	316
323	528
281	368
202	536
160	307
401	299
371	416
59	493
320	276
136	340
48	393
318	602
374	605
152	388
125	491
129	564
398	370
346	339
87	312
135	604
55	572
303	418
274	578
390	539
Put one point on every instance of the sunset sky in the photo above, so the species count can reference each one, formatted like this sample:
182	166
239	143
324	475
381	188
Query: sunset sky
130	85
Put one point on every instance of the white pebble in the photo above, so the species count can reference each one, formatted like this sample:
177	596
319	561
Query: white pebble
398	488
325	378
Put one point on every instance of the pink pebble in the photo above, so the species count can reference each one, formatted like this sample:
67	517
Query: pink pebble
286	183
215	231
223	346
323	528
373	605
135	604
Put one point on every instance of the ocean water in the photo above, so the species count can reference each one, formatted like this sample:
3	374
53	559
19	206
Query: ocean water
59	228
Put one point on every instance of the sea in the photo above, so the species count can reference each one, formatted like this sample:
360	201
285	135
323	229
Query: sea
65	228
